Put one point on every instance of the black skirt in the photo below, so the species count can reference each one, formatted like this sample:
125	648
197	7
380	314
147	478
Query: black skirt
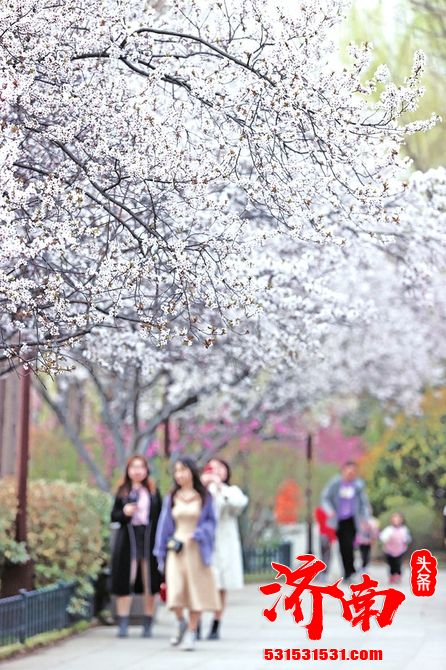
139	538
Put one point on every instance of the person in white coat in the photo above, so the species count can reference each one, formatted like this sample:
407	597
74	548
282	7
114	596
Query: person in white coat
227	562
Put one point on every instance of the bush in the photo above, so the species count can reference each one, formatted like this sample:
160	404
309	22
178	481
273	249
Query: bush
68	533
410	459
10	550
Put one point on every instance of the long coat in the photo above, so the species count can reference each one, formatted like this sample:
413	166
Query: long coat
124	550
227	561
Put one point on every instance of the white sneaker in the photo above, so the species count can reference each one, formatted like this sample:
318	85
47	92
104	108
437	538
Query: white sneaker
182	626
188	641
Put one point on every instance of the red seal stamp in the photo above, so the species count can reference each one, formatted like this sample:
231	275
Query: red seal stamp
423	573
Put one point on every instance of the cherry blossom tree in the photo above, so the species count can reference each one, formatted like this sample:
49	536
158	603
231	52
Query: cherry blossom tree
152	153
329	329
209	214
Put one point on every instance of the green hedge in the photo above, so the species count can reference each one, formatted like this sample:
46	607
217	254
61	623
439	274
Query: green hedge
68	533
10	550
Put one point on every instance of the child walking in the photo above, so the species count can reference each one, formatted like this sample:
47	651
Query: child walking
327	536
395	539
366	537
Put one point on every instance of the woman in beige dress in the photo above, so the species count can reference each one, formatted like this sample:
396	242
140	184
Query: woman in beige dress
183	547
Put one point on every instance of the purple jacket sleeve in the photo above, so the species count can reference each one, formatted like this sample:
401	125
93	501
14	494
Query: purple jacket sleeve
164	531
204	533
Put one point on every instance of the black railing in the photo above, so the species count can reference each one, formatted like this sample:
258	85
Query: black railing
34	612
258	559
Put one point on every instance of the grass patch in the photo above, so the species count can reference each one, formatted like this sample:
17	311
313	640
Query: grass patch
42	640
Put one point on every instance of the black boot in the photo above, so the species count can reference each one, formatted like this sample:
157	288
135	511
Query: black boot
214	632
147	626
123	622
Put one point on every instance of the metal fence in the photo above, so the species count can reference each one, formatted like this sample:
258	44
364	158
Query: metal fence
258	559
34	612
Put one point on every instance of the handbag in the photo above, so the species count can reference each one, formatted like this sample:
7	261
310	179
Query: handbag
174	545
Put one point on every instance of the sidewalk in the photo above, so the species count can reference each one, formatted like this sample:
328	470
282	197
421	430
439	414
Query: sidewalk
416	640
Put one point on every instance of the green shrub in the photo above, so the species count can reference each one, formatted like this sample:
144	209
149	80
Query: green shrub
10	550
68	533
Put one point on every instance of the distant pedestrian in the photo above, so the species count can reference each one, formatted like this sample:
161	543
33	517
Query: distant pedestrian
136	508
184	545
345	501
395	538
227	561
327	536
366	537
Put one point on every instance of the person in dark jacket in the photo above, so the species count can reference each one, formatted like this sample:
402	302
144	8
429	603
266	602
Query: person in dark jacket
134	568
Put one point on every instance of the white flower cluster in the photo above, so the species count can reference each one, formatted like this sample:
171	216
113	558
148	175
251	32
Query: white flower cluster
199	177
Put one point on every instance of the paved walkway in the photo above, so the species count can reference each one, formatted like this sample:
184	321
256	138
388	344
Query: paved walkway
415	641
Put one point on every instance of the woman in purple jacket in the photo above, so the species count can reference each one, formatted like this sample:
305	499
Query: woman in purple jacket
183	547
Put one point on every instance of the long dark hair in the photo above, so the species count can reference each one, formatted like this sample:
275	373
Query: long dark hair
189	462
227	466
126	485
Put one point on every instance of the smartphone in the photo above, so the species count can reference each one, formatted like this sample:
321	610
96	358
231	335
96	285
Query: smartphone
133	496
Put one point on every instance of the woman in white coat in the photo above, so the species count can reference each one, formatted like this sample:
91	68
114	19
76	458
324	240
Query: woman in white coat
227	562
